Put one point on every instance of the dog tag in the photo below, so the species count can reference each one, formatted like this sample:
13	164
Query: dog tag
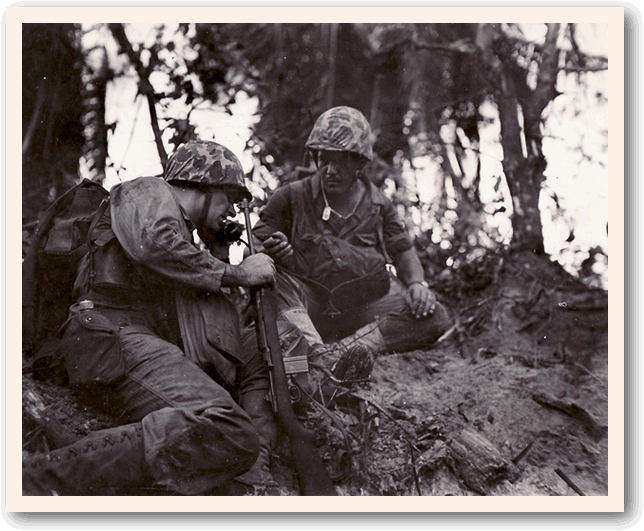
326	214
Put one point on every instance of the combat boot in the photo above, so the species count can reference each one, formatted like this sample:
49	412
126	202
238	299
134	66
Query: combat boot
354	365
107	459
353	357
333	368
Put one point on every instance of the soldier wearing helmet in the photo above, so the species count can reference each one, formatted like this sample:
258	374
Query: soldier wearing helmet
154	339
332	235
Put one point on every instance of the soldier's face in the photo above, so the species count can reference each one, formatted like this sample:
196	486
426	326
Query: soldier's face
339	170
221	207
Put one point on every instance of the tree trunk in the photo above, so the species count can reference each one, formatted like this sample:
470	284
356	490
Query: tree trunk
525	187
333	51
276	83
95	75
523	165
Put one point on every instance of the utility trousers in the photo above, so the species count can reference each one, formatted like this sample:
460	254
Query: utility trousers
385	324
195	435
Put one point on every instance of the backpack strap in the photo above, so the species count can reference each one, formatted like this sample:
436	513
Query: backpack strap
108	235
83	249
381	238
295	189
380	224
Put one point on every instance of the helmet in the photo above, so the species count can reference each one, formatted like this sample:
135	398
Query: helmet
206	163
342	129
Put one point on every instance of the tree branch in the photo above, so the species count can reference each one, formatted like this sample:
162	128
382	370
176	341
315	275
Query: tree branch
547	78
460	46
584	69
145	87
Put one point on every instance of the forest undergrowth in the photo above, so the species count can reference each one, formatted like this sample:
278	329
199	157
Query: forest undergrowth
512	400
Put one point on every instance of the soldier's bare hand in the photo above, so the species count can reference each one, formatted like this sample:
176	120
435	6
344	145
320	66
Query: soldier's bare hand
421	300
278	247
256	270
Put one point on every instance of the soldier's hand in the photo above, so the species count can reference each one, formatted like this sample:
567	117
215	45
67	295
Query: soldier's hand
255	270
278	247
421	300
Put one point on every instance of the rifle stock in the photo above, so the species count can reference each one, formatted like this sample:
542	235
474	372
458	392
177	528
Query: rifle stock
311	473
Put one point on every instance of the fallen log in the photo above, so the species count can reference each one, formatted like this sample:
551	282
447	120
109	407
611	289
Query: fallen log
593	428
42	431
478	462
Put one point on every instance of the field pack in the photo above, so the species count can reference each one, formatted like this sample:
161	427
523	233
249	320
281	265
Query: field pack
49	271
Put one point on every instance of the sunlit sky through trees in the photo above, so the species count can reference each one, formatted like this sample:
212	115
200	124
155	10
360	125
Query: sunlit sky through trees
575	146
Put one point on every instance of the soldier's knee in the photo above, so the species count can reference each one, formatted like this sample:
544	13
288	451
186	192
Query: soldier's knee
442	319
237	437
404	332
249	444
190	451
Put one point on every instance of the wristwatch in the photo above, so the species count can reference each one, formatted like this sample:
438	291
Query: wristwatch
421	282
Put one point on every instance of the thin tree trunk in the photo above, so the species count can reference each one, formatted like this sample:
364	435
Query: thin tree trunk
35	119
333	52
277	78
95	76
144	86
375	102
524	187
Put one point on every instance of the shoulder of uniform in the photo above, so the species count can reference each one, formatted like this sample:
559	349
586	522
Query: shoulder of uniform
141	183
301	183
297	187
377	197
141	187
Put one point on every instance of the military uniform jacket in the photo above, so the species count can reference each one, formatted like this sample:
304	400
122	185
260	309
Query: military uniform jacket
143	255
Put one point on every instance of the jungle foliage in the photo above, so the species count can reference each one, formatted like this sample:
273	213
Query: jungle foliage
428	90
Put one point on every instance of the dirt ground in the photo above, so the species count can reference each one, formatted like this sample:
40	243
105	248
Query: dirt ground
512	401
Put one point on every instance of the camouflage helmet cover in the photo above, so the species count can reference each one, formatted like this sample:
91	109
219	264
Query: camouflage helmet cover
206	163
342	129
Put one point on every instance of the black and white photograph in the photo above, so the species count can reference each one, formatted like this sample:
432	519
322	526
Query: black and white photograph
348	259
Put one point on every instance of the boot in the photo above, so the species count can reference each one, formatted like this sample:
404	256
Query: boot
259	409
338	368
353	357
355	365
369	335
111	458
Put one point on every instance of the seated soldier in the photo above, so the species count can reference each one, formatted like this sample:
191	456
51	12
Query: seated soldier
155	340
331	236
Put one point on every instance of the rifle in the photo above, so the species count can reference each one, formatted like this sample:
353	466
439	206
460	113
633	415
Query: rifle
312	476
